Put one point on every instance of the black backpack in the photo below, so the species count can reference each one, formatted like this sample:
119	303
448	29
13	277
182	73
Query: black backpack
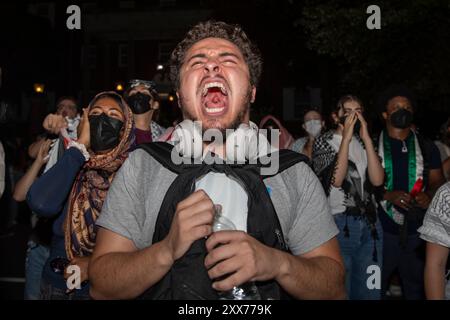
188	278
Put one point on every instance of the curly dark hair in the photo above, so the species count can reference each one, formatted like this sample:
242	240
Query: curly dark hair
217	29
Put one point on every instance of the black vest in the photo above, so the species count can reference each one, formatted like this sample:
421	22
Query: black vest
188	278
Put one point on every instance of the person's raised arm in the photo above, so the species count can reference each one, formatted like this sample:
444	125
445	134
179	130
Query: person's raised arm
48	194
52	123
33	149
341	166
24	184
374	168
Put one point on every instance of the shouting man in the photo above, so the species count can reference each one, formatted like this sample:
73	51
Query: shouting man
141	253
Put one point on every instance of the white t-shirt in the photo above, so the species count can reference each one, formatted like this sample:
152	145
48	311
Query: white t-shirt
229	194
358	156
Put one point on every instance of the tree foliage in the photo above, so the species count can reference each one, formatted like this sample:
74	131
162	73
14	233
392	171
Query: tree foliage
412	46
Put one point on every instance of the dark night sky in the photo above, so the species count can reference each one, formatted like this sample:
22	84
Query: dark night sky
295	55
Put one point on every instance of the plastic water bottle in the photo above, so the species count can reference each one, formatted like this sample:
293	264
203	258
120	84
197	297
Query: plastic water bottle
246	291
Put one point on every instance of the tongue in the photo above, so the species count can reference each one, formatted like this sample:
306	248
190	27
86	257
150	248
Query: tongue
215	98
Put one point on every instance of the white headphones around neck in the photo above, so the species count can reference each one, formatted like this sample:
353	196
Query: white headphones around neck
241	144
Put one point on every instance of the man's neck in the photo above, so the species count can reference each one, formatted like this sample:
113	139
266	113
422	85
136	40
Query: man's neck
396	133
143	121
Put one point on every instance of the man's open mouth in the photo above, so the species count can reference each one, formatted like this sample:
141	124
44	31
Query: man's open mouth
214	98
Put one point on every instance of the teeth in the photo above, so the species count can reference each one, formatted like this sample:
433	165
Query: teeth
214	85
214	110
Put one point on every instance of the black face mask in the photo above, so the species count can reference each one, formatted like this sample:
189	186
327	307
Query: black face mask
105	132
139	102
402	118
357	126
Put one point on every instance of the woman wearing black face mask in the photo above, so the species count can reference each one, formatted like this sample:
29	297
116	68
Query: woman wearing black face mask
76	187
348	167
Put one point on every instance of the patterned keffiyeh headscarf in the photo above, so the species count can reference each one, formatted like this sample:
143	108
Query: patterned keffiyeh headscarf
91	186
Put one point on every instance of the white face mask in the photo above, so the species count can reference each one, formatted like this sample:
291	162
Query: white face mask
313	127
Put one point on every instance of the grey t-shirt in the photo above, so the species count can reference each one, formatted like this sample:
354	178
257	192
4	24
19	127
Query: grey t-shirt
137	192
